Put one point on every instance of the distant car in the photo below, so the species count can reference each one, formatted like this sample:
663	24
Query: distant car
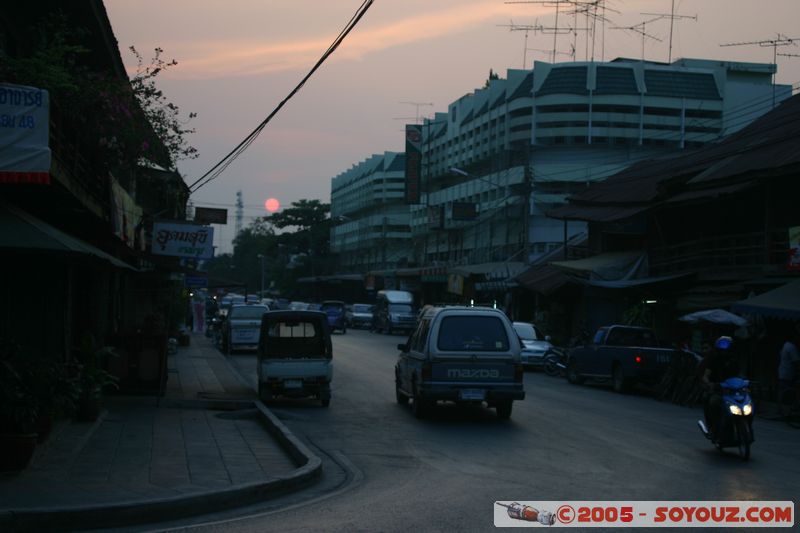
242	327
314	307
252	299
335	311
298	306
535	345
360	316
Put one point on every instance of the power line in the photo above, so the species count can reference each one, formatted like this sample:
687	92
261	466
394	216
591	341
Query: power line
223	164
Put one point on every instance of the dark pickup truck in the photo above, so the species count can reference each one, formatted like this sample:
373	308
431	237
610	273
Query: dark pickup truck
625	354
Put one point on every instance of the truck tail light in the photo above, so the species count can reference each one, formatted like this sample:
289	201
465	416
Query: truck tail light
638	359
427	371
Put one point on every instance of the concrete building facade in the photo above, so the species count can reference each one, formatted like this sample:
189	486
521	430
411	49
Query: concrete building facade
505	154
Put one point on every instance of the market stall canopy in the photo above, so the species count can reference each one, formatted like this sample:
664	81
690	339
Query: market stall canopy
715	316
783	302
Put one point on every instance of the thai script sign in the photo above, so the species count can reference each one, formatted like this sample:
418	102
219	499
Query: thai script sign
210	215
24	134
183	240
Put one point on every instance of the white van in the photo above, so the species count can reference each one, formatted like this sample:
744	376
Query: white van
394	311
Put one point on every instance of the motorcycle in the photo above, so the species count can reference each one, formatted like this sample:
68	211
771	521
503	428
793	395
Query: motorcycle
735	424
555	362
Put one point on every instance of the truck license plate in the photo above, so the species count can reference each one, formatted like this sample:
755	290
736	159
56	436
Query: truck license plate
472	394
292	384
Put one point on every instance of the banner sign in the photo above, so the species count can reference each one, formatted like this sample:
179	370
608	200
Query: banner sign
210	215
24	134
413	163
183	240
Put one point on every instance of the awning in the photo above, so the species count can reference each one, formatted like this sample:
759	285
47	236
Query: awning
714	316
635	282
496	270
595	213
607	266
543	279
707	194
783	302
24	232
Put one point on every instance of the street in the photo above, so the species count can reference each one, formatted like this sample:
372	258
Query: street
563	442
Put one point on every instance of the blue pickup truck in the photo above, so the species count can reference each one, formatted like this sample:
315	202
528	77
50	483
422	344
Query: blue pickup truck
624	354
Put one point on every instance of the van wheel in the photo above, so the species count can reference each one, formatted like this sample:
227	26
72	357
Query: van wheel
504	409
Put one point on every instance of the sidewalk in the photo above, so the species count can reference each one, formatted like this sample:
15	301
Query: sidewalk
206	446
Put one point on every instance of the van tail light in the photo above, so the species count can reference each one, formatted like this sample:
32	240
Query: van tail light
427	371
519	373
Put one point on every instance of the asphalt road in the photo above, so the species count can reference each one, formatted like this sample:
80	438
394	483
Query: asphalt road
388	471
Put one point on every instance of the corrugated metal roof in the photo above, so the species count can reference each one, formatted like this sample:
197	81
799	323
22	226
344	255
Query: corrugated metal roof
783	302
543	279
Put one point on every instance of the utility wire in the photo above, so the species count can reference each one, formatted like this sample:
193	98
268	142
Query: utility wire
223	164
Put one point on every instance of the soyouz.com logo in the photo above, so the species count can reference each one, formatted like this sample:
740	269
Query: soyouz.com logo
617	514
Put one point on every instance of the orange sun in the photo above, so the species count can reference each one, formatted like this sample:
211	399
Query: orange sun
272	205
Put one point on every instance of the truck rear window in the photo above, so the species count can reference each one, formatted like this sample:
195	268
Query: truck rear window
472	333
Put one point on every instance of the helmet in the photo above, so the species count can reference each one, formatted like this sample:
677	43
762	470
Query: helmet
723	343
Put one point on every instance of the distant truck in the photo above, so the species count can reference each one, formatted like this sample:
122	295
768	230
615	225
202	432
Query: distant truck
394	311
624	354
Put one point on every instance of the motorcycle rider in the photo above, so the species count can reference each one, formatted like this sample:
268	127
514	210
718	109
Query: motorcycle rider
719	364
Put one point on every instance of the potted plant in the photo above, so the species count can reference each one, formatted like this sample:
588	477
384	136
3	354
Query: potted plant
56	392
18	410
93	378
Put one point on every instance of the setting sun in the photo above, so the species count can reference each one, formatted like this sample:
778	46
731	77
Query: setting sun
272	205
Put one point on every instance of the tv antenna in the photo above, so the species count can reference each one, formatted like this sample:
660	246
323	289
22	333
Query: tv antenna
641	29
589	9
672	18
780	40
526	28
417	105
555	30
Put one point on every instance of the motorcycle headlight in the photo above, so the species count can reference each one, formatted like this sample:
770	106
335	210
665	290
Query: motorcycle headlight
735	409
748	409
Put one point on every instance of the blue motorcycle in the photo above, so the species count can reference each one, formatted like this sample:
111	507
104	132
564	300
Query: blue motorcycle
735	424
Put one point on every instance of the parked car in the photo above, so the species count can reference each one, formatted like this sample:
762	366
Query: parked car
535	345
335	311
295	356
463	355
360	316
241	327
626	354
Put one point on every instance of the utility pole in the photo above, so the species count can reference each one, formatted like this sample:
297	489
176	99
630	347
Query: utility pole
780	40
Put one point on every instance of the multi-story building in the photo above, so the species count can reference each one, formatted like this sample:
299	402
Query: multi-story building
367	202
504	155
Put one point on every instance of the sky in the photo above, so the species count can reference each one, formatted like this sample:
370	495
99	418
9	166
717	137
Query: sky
239	58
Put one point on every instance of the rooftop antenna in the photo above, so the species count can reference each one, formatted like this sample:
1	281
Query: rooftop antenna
526	28
417	105
641	30
672	18
571	53
555	29
780	40
589	8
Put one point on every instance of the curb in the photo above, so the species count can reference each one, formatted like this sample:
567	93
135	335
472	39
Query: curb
172	508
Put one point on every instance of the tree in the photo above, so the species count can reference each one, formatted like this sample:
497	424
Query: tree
492	76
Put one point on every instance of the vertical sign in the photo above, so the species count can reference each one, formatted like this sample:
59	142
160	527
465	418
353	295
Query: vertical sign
24	134
413	163
794	248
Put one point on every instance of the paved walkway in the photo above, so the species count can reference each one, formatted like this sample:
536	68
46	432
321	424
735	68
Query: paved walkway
156	460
